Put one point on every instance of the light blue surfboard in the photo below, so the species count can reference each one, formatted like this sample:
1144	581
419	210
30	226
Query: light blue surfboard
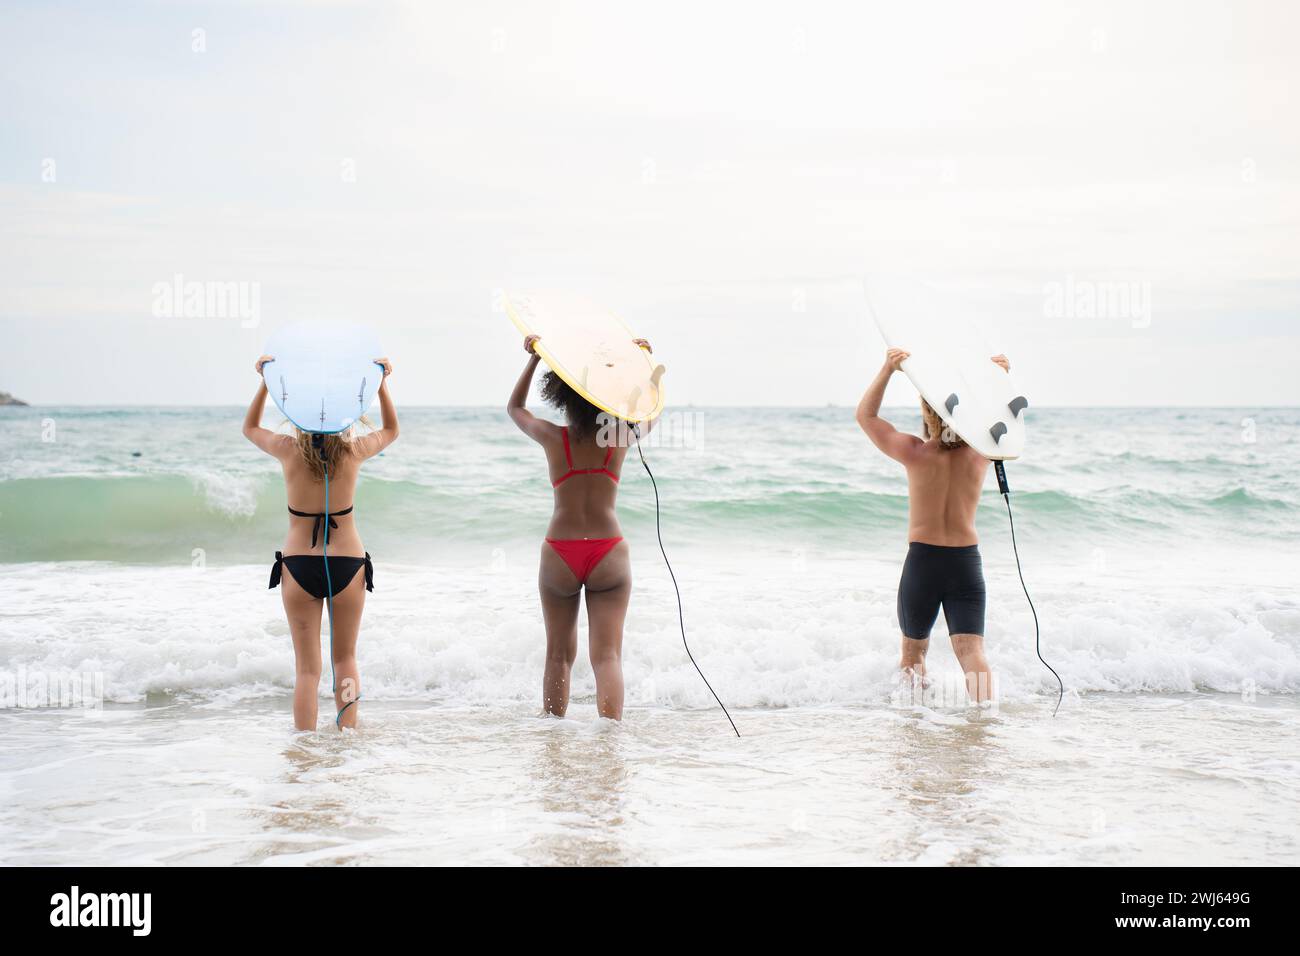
324	375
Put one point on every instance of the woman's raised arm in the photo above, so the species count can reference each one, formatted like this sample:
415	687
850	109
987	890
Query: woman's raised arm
372	444
263	438
537	429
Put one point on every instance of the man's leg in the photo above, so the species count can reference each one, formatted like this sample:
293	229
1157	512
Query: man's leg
912	662
918	608
963	608
969	649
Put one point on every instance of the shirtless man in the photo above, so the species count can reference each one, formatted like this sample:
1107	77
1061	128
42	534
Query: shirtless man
944	480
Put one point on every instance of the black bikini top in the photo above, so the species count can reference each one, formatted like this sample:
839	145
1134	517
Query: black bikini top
322	516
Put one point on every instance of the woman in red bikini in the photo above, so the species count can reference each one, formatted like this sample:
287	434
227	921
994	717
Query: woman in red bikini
584	547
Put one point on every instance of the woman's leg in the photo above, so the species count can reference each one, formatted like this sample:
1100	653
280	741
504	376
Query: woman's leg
609	589
559	592
348	605
303	613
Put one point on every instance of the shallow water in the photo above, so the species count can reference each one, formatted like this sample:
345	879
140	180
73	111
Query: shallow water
1115	779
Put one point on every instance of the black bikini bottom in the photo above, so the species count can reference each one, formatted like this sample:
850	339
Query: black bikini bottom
309	571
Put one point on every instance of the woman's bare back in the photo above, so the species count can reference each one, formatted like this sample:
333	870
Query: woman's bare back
306	493
584	502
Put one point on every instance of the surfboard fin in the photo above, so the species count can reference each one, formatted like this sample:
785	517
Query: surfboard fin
951	402
997	431
657	375
1018	405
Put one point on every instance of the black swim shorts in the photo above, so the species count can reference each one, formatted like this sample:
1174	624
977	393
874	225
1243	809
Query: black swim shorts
935	576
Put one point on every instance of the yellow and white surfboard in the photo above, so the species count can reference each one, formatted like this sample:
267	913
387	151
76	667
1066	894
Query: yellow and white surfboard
592	350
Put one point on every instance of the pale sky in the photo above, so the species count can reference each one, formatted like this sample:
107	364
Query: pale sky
720	174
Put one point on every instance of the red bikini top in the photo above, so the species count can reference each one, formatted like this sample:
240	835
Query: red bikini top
568	460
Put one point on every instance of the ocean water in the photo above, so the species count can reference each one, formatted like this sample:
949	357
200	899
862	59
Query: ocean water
1160	546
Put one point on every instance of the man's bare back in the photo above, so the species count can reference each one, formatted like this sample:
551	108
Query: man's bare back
943	490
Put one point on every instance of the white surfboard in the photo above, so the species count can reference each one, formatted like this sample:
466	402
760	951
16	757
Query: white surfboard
950	364
592	350
324	375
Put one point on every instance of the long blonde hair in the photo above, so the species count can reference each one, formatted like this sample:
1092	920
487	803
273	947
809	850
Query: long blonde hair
933	427
337	448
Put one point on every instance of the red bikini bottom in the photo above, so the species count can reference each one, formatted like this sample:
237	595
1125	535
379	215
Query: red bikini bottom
582	554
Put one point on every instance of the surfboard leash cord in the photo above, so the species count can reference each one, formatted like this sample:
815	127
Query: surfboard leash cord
681	616
318	440
1005	489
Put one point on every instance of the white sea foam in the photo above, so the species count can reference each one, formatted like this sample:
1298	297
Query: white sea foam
472	634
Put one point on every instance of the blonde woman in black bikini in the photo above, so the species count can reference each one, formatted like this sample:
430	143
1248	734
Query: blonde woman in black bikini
304	589
584	548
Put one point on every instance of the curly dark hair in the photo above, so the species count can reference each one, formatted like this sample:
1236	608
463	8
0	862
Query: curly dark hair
581	416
